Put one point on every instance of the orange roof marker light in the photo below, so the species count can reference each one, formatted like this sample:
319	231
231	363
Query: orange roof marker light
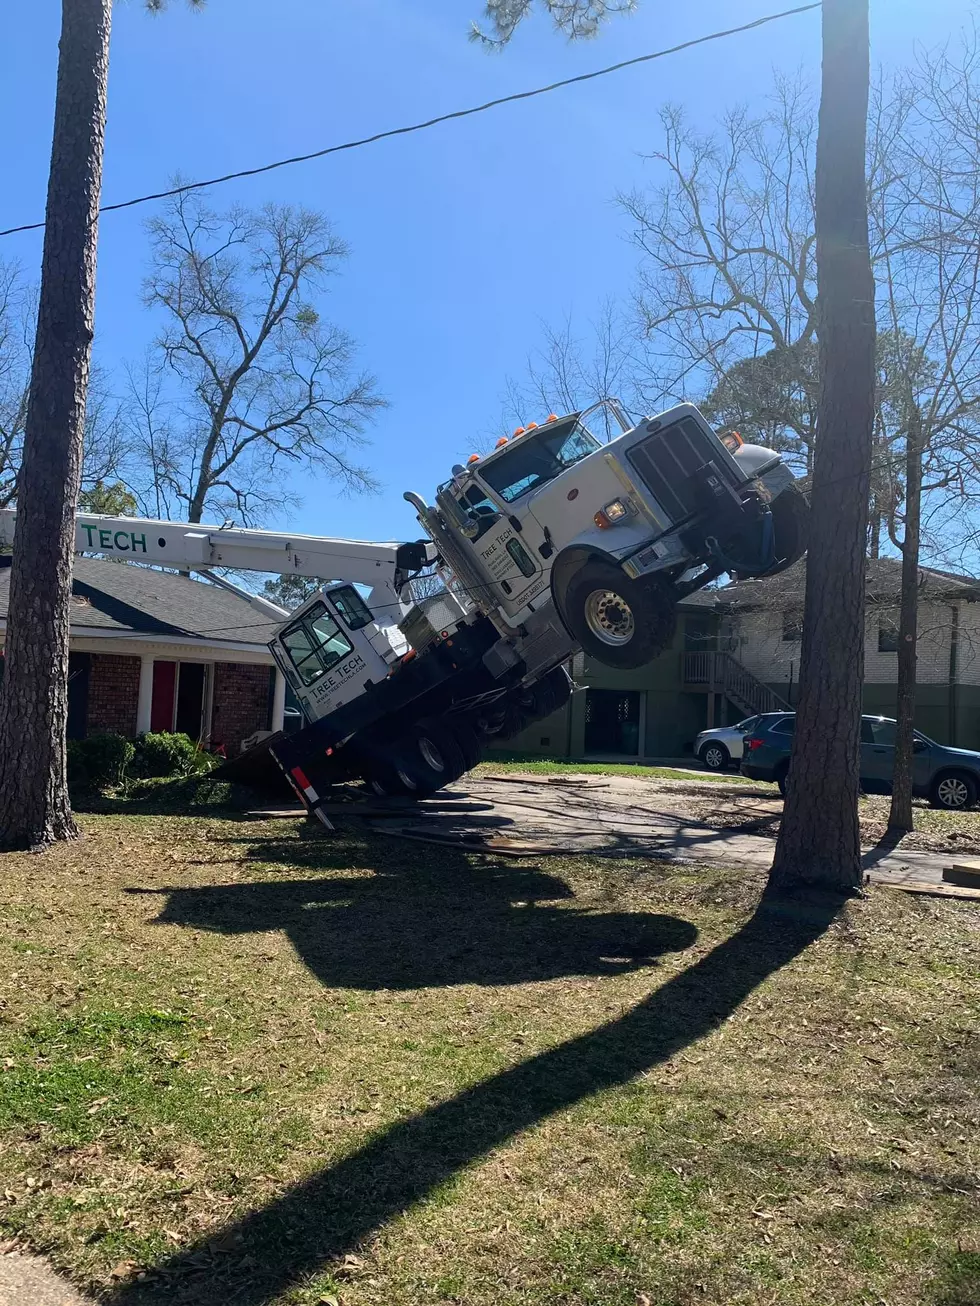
519	431
531	426
501	442
473	458
552	417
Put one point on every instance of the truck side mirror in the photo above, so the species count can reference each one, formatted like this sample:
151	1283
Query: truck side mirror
919	746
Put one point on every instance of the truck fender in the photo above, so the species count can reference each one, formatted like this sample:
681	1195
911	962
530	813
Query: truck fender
570	561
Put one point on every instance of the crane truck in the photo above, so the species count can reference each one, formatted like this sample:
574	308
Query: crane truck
552	543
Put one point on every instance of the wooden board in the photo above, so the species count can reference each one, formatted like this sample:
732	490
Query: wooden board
555	781
934	888
962	873
474	843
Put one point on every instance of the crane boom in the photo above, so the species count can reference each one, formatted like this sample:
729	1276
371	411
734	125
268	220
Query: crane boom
386	566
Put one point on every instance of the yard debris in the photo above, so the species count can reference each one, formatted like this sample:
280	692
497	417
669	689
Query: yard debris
561	781
933	888
473	841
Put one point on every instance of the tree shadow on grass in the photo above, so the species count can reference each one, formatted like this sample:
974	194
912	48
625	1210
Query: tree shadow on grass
425	921
258	1257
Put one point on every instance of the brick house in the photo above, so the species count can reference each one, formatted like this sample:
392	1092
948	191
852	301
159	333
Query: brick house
151	650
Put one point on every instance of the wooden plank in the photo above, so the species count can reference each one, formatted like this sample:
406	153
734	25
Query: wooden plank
964	874
933	888
556	781
472	842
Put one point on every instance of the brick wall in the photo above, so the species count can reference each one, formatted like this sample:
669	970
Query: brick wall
113	695
242	699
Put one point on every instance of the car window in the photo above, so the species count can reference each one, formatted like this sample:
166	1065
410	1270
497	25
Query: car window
785	727
881	733
748	724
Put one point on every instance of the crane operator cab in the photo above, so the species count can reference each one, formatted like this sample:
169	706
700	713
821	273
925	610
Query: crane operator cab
333	648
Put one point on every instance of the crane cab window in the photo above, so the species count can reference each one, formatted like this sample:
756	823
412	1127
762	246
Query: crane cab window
315	644
352	608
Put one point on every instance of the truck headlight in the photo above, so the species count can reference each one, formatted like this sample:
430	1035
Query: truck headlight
612	514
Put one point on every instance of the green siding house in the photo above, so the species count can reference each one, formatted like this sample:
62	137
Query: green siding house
737	652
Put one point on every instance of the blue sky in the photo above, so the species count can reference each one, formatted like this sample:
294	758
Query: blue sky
464	238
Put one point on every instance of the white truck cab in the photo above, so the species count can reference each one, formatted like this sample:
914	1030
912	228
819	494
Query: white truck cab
613	534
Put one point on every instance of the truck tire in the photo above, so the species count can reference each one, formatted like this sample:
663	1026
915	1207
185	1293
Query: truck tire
790	526
621	622
469	741
428	756
548	695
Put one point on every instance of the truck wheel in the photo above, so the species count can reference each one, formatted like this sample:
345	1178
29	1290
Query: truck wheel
548	695
468	740
790	525
621	622
428	757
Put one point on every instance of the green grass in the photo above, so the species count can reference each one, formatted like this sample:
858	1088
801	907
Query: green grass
254	1064
517	763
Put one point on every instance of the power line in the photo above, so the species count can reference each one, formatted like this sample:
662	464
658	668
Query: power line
434	122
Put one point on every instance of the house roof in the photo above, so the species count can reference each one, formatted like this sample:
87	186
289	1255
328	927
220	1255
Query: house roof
123	597
884	581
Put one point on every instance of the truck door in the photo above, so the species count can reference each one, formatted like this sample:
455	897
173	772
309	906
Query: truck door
515	571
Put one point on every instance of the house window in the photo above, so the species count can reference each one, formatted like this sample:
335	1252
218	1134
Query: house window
887	635
792	627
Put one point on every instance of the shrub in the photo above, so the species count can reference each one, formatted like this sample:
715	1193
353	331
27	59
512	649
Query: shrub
166	754
99	761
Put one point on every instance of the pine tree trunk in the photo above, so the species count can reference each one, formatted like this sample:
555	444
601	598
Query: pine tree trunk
34	806
900	814
819	841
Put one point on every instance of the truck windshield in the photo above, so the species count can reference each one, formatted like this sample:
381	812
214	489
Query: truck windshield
533	460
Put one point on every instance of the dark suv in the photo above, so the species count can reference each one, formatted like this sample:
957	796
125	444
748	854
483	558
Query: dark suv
948	777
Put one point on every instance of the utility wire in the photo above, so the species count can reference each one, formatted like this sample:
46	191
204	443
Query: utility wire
434	122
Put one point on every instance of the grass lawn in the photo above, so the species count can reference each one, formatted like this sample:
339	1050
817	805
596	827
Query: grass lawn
269	1067
517	763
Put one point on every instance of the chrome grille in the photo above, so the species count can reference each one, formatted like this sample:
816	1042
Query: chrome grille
667	460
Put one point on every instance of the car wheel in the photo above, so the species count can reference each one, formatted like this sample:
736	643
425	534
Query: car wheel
782	780
715	756
954	792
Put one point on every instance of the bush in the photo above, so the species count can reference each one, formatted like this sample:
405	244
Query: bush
99	761
168	754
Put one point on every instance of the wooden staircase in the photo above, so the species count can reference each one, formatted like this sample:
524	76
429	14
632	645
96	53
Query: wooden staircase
721	673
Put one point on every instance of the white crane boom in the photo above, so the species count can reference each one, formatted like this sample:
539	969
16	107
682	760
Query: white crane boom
385	567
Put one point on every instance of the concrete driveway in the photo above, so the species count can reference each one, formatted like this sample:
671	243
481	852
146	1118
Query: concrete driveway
620	817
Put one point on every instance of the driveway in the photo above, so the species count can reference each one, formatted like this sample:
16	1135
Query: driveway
621	817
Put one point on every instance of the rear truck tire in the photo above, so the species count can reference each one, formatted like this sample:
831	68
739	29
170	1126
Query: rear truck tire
550	693
953	791
428	756
621	622
468	739
714	756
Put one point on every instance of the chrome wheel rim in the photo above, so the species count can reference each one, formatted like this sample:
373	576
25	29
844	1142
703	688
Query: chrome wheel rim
433	758
713	758
609	618
953	792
